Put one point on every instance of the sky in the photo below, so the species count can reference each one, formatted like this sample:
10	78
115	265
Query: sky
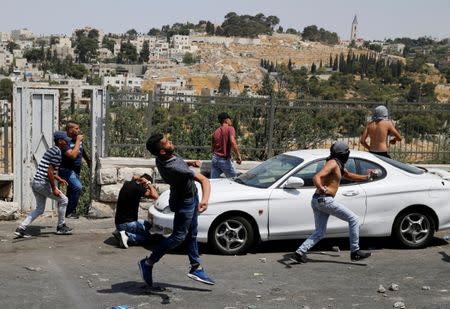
377	19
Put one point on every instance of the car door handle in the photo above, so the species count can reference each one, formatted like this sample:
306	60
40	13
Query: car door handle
350	193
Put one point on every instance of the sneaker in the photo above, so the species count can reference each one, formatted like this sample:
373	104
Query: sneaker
63	229
72	216
20	232
123	240
116	235
199	274
299	257
146	272
359	255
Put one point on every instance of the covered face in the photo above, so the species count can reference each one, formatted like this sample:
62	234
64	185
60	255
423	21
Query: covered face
340	152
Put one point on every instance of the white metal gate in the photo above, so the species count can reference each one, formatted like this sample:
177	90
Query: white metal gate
35	119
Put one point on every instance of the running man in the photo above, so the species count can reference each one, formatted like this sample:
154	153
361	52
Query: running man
184	202
323	203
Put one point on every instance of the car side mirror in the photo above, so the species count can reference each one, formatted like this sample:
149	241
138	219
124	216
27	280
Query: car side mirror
293	183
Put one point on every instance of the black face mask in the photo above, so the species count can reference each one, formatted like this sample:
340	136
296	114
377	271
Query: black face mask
341	159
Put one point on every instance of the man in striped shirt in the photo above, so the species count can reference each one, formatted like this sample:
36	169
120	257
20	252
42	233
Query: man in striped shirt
44	186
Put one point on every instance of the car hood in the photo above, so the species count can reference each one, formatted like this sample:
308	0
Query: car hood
222	190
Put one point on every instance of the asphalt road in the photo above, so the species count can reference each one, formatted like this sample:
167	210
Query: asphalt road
87	270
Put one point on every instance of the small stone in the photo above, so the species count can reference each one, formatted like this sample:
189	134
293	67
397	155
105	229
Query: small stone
4	240
384	295
261	282
257	274
381	289
262	260
103	279
258	296
335	249
400	305
94	274
30	268
394	287
89	282
426	288
81	277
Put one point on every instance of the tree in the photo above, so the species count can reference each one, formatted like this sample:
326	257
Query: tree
128	53
224	85
267	86
280	29
291	31
108	43
12	46
209	28
188	58
34	55
154	32
86	47
131	34
313	68
6	89
145	52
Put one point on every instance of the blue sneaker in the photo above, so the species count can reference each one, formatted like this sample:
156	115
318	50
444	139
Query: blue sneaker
200	275
146	272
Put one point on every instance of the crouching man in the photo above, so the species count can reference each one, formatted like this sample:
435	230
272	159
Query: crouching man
130	229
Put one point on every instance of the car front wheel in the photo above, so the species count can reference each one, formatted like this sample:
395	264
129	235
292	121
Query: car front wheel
414	229
231	235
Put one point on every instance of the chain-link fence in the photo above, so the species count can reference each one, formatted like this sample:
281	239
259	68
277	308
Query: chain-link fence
267	126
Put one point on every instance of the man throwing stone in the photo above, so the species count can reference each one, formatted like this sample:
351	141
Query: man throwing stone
323	203
185	204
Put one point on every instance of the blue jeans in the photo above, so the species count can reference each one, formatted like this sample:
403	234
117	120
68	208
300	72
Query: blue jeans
184	229
42	191
221	165
73	189
323	207
138	231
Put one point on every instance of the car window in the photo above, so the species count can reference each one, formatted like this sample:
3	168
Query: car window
364	166
350	166
308	172
268	172
403	166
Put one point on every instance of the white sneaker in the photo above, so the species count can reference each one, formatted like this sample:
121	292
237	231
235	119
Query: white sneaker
123	239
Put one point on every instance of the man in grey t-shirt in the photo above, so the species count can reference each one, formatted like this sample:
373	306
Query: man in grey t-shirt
185	204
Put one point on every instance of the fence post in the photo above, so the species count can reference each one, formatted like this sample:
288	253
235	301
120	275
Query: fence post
271	119
5	137
150	111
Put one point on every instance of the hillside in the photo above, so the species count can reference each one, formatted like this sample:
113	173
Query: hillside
241	63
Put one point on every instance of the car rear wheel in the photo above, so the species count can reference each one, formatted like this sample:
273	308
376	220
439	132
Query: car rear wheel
231	235
414	229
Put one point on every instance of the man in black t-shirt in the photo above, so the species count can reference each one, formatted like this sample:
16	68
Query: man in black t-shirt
130	229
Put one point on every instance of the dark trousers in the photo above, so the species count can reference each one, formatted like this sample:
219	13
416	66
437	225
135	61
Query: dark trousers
184	229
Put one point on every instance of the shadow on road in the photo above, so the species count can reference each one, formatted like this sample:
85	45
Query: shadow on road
288	263
445	256
138	288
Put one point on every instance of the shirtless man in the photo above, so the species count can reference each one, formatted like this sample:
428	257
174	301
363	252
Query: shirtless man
378	130
323	203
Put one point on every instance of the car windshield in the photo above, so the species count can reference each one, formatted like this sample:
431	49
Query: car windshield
403	166
268	172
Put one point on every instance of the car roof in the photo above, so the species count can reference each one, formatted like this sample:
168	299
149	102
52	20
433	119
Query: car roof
311	154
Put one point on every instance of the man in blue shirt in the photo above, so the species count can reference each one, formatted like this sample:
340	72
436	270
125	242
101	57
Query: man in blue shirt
185	204
71	167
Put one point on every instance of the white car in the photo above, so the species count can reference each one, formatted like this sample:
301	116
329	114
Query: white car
272	201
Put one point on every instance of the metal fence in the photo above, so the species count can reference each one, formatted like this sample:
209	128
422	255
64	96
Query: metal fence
5	138
267	126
